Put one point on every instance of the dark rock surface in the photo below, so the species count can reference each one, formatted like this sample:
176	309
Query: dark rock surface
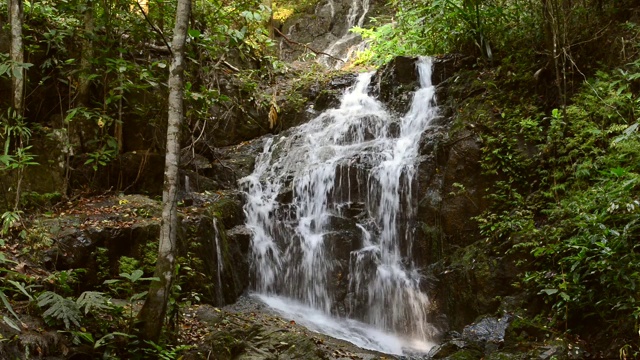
248	330
97	234
395	82
33	341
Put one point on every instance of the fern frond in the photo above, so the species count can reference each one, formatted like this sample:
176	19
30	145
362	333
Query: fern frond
60	308
92	300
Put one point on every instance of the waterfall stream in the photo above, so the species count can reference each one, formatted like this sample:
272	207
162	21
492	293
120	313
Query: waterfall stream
345	46
330	205
219	260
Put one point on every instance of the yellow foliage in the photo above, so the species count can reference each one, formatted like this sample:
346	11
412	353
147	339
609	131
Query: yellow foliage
282	14
144	4
273	116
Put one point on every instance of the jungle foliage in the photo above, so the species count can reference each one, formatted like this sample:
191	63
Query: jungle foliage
558	113
107	62
558	104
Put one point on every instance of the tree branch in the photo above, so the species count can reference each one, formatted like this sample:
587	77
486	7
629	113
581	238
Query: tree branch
154	27
305	46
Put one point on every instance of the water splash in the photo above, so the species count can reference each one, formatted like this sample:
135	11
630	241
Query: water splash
303	187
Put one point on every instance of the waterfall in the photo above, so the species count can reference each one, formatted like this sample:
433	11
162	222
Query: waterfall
348	43
334	196
219	260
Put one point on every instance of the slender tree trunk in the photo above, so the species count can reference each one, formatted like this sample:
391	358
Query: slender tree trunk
17	79
86	56
155	307
17	55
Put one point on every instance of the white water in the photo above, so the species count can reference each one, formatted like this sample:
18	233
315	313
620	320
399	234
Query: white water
345	46
306	182
216	234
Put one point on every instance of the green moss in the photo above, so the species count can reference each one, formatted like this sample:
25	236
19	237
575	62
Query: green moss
224	207
504	356
101	258
128	264
33	199
149	253
433	237
466	354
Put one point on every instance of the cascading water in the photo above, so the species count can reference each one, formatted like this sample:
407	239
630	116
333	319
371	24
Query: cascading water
348	43
308	183
219	260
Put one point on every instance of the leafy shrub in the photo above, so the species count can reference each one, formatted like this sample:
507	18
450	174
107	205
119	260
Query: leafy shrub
579	222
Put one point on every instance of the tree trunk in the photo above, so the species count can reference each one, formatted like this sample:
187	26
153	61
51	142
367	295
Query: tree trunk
155	307
17	79
87	54
17	55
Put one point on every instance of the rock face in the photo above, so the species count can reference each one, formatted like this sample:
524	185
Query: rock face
450	188
325	26
463	280
96	235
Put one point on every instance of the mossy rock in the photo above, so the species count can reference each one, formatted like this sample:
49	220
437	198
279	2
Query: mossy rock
227	209
506	356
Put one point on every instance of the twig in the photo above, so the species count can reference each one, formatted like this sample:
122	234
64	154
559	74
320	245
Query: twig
305	46
568	56
230	66
158	48
154	27
598	35
223	164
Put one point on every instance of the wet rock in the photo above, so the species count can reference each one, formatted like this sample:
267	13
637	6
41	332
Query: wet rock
395	82
489	331
456	349
240	235
248	330
330	97
224	276
33	341
234	162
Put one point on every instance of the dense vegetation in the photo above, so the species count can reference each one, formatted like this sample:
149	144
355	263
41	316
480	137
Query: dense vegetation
106	65
556	95
558	112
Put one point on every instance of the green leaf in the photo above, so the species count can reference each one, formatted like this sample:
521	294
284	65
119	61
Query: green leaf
4	69
138	296
92	300
21	288
60	308
194	33
548	291
88	337
7	304
104	340
17	72
618	171
136	275
11	324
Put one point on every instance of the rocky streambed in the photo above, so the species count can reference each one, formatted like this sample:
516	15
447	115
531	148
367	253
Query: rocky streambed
248	329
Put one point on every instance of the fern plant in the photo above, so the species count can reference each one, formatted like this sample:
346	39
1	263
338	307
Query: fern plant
93	300
60	308
69	311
